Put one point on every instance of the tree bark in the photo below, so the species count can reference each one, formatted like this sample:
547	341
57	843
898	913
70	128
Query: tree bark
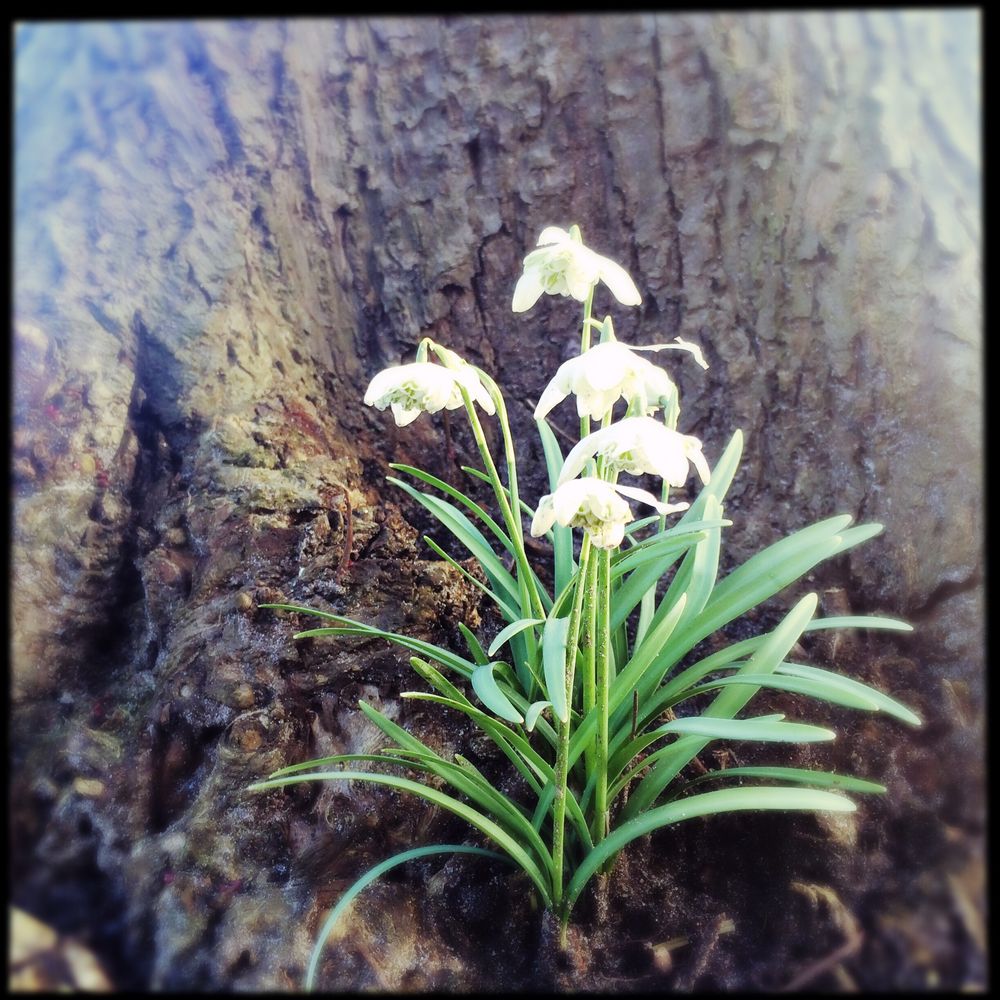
224	229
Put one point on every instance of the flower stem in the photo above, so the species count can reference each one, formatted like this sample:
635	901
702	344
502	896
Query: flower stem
584	347
562	751
587	644
528	592
603	680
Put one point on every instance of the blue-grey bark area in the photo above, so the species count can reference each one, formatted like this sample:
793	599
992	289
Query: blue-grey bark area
224	229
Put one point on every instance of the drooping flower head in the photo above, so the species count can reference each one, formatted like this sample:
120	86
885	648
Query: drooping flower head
609	372
425	387
639	445
562	265
594	505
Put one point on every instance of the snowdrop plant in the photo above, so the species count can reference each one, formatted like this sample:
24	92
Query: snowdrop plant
596	689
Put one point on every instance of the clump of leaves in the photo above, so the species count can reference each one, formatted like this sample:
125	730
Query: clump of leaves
589	691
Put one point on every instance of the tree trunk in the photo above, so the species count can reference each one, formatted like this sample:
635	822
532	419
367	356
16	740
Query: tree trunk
224	229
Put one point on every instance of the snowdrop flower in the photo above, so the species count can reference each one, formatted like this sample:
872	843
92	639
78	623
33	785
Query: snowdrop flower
602	375
564	266
594	505
422	386
639	445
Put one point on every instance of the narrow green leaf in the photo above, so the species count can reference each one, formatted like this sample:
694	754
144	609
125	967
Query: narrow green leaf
554	637
491	696
625	597
483	823
366	880
541	768
749	729
475	648
763	575
705	804
469	535
652	548
457	663
534	710
811	687
629	679
496	731
440	484
860	621
562	536
468	780
801	776
882	701
727	703
721	479
514	628
455	564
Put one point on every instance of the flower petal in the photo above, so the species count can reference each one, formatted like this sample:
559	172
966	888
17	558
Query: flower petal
552	396
692	447
545	516
404	415
578	456
643	496
527	291
553	234
618	280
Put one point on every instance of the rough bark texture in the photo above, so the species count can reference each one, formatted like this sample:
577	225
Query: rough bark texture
224	229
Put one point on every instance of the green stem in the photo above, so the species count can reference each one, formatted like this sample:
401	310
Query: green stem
603	601
584	347
562	751
587	642
525	581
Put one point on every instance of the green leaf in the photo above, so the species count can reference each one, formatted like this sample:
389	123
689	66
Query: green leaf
440	484
697	574
541	767
491	696
531	757
625	597
484	824
562	536
763	575
721	480
457	663
801	776
663	542
727	703
496	731
467	779
850	686
362	883
534	710
705	804
469	535
554	637
630	678
749	729
475	648
811	687
860	621
499	601
514	628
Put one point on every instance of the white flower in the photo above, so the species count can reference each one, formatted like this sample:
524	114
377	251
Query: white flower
602	375
421	386
595	506
564	266
639	445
